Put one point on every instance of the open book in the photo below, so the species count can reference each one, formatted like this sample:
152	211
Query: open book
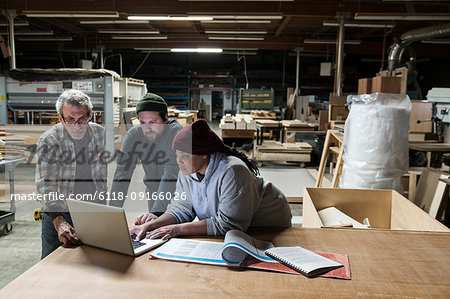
233	252
238	249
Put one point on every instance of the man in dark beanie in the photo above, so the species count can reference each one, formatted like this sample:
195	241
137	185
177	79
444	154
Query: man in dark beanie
151	144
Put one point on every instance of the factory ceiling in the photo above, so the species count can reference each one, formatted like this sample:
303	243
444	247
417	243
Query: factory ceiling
161	25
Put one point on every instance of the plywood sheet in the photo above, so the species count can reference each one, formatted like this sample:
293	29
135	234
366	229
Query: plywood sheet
421	111
430	191
384	264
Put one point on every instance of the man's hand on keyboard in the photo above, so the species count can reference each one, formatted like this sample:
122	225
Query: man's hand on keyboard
165	232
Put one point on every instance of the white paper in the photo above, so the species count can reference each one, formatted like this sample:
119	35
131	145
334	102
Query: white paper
334	217
204	252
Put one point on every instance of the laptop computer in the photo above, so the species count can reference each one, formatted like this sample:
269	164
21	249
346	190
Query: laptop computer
106	227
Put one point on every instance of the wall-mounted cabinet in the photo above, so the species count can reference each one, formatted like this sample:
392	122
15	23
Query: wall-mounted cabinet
278	83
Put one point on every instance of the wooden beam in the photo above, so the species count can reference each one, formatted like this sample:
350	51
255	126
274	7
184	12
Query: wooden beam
283	25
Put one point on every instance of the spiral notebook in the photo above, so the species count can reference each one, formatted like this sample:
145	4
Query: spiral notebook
302	260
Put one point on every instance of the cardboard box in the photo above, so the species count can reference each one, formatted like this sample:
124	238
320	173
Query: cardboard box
337	112
337	100
323	120
364	86
387	84
386	209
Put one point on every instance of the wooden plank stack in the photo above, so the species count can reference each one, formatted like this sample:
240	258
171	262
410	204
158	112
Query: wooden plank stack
237	122
262	114
14	144
277	151
293	147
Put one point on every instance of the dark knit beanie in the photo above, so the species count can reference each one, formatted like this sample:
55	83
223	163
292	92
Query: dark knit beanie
198	139
151	102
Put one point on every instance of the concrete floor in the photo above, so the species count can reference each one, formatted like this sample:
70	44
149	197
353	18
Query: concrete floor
21	249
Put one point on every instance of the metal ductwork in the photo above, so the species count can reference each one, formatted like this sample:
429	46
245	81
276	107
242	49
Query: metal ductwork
397	49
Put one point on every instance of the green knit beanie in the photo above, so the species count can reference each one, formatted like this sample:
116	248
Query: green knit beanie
151	102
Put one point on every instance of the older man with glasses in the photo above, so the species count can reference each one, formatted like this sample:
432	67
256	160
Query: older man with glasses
69	165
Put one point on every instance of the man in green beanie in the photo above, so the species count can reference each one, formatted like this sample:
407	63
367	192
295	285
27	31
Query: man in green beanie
151	144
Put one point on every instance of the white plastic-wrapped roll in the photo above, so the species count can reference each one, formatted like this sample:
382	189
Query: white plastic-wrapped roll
376	141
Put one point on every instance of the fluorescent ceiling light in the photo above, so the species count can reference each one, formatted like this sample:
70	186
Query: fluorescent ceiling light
404	17
436	41
234	32
151	49
34	32
234	38
238	0
74	14
170	18
45	38
138	37
239	21
196	50
16	23
330	41
100	22
359	25
105	31
247	17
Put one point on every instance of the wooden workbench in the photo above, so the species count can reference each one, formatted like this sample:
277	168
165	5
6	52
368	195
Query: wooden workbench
429	147
276	151
234	137
392	264
296	126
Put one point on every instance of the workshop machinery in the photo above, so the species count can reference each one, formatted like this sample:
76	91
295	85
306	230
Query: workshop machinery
28	94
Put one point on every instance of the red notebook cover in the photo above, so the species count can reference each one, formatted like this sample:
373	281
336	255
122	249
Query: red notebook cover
341	273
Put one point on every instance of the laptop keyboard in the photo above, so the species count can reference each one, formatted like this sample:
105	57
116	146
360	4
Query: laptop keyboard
136	244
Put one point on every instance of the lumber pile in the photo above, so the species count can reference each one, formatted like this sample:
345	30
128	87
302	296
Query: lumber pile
12	144
262	114
237	122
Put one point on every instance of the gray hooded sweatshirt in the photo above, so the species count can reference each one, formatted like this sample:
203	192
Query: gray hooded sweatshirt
229	197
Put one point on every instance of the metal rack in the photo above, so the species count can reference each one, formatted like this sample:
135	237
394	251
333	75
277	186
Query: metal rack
7	217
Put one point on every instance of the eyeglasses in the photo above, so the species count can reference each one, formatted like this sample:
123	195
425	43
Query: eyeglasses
71	121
